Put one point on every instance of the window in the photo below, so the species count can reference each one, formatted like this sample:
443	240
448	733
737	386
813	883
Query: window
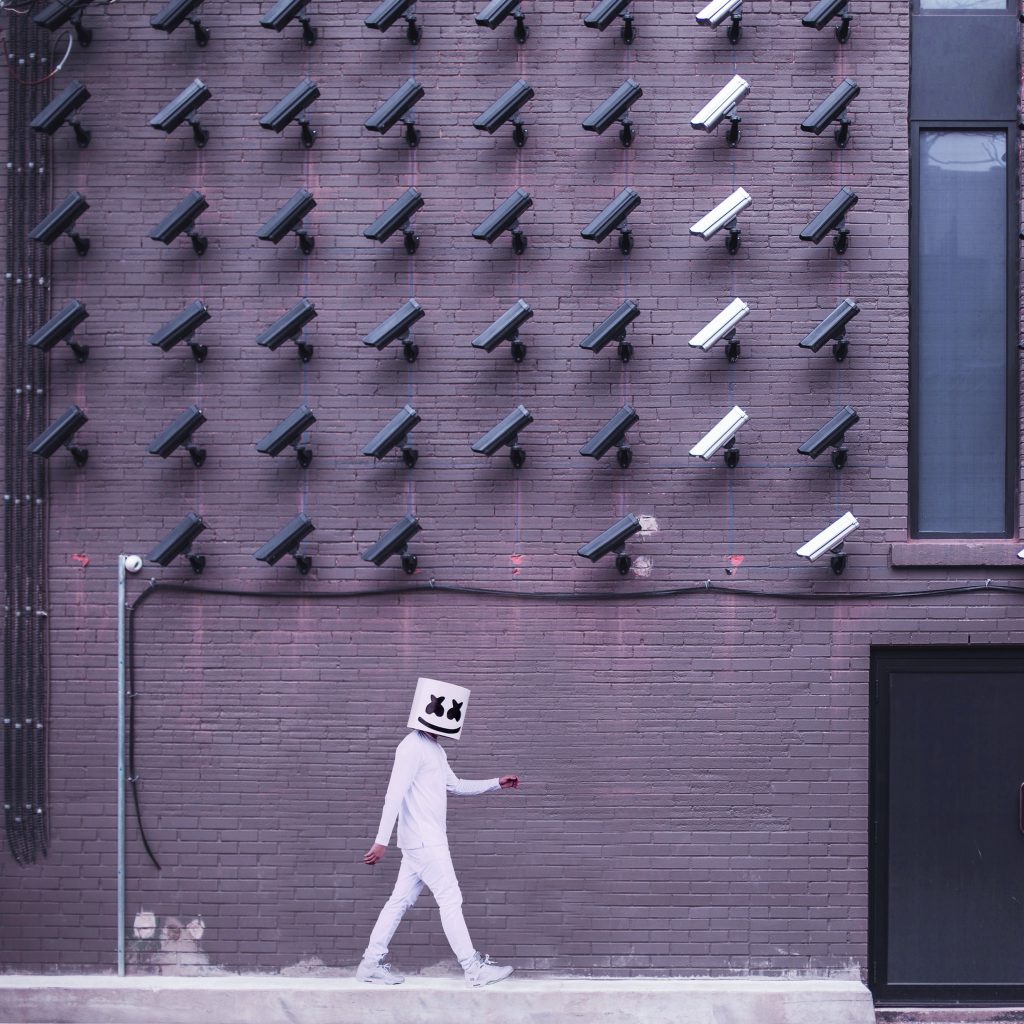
962	457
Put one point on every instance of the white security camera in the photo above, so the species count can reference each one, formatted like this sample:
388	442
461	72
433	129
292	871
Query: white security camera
132	563
829	540
717	11
724	216
722	435
722	105
723	326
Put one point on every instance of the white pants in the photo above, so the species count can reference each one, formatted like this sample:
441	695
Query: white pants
429	866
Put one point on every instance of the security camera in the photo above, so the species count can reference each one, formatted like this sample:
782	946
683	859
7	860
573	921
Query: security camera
179	542
721	106
183	326
132	563
289	433
61	220
606	12
289	327
289	218
58	328
833	108
494	13
388	12
398	326
182	108
613	432
614	329
831	539
284	12
61	110
395	435
178	11
722	436
824	11
833	328
504	109
832	218
724	216
179	434
181	220
506	328
506	218
396	108
286	542
289	109
613	539
723	326
616	108
613	217
398	217
60	12
395	542
506	433
831	435
717	11
59	434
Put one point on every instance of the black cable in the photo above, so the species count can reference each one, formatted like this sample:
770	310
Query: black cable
132	774
25	658
10	609
38	374
708	587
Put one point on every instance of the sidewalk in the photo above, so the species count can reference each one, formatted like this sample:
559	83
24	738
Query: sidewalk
257	999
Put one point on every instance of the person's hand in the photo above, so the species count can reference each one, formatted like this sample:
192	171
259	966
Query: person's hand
509	782
374	853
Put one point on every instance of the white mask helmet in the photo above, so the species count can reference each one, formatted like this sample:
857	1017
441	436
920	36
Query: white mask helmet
438	708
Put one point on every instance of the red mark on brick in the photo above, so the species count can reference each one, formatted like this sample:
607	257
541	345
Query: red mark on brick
82	560
736	561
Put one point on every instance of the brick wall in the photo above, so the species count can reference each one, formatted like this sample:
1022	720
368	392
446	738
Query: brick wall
694	769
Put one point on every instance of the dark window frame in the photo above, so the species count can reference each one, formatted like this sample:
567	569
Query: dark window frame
1012	307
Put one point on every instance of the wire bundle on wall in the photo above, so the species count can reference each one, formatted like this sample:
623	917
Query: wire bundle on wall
26	306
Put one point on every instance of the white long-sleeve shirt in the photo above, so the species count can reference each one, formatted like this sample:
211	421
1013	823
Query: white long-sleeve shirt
418	793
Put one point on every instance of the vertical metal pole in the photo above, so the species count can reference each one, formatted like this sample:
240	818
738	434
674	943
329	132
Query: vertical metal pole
120	762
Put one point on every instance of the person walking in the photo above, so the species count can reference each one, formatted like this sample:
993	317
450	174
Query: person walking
417	797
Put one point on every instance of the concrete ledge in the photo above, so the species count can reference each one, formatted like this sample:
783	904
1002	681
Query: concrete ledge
242	999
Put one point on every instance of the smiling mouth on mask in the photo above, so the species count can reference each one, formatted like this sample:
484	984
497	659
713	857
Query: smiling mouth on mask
437	728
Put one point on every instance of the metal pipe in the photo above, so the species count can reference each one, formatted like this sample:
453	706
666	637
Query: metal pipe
121	693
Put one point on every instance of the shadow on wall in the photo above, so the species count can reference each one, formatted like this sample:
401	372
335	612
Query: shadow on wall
166	946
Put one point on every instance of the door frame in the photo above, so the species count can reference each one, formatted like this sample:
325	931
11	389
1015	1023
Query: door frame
884	659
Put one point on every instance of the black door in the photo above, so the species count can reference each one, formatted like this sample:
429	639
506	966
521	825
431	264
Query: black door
947	857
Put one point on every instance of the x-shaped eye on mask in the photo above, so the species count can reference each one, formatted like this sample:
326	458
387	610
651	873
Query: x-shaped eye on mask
455	712
436	707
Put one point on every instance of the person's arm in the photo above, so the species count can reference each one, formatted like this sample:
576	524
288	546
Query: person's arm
402	774
475	787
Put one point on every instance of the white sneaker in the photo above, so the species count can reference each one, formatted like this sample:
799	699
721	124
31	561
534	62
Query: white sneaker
484	971
378	973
